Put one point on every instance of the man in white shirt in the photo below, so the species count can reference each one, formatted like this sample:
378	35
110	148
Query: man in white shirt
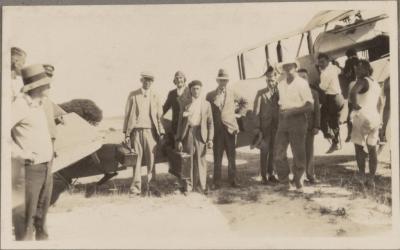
194	136
18	57
334	100
295	100
30	132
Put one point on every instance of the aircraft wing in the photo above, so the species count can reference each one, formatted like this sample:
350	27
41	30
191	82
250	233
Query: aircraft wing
327	16
76	139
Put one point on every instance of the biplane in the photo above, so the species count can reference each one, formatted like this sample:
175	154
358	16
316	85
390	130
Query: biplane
82	153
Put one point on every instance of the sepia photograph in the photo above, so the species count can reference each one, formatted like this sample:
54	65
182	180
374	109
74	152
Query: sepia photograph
200	125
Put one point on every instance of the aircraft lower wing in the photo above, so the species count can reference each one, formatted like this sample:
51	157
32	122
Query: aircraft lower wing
76	139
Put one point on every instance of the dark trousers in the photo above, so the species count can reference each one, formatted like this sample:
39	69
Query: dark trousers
267	153
348	120
310	172
38	188
224	141
291	130
361	159
330	115
193	145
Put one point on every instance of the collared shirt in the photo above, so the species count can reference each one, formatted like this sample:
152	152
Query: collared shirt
30	129
220	97
194	111
295	94
271	90
330	80
143	118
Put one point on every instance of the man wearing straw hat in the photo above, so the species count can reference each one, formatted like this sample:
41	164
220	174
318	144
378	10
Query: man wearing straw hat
224	102
18	57
30	132
143	129
295	100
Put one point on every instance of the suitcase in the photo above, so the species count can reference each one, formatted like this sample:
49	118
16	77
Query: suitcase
179	163
125	156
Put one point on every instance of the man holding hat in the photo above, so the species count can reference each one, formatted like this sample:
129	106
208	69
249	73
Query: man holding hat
224	102
143	129
267	109
195	134
18	57
30	132
295	100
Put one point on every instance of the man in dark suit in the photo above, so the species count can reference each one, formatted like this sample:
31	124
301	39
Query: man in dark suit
267	108
224	102
195	134
143	129
172	101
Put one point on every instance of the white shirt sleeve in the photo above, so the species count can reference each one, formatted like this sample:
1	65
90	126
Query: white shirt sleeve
305	92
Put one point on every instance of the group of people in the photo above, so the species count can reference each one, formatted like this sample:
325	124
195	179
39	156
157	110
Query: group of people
290	110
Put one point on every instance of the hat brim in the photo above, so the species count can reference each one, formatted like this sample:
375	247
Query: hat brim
37	84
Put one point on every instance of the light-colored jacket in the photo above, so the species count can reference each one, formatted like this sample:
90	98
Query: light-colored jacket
227	116
206	121
133	104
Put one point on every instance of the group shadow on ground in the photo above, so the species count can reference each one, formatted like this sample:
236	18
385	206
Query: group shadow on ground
332	171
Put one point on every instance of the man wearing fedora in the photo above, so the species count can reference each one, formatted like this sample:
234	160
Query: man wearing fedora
30	132
224	104
195	135
295	101
267	108
18	57
143	129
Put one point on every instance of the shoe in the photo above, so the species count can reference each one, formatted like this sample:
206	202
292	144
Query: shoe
264	181
333	148
134	193
235	184
155	191
312	181
299	190
41	235
370	184
272	179
215	186
282	187
348	138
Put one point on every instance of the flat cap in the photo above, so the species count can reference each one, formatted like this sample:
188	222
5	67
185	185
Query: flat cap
147	74
195	83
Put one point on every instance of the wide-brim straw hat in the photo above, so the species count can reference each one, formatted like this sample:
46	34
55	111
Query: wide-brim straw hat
34	76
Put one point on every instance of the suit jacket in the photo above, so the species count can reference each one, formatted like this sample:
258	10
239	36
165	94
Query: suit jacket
172	101
133	105
206	121
267	110
227	116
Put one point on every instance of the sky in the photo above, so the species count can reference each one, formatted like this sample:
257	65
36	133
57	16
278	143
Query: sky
99	51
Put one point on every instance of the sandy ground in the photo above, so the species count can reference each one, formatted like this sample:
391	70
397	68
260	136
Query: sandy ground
335	208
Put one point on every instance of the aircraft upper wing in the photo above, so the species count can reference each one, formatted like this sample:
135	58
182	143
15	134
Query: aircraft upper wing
318	20
327	16
75	140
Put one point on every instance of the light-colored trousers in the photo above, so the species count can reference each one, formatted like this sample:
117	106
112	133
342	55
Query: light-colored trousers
193	145
144	143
